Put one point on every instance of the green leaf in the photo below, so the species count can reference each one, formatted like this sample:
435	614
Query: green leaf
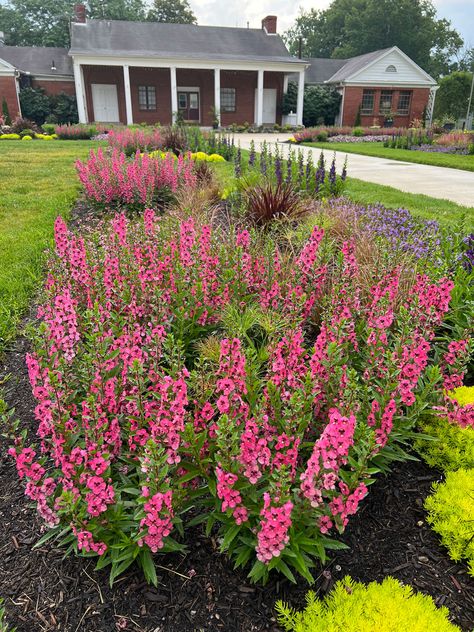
229	537
149	570
118	569
285	570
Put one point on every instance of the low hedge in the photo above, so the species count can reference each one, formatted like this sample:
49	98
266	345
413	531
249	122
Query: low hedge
451	514
353	607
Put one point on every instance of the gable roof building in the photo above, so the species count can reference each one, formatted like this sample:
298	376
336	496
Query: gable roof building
381	85
150	72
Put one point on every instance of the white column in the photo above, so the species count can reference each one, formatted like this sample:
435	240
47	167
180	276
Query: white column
217	94
259	112
80	94
174	94
300	100
128	95
285	84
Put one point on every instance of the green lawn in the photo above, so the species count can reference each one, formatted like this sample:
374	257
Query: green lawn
454	161
37	182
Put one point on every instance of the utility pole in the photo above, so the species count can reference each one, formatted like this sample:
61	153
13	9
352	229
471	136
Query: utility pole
470	101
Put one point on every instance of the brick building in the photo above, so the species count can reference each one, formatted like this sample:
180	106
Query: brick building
137	72
385	85
25	66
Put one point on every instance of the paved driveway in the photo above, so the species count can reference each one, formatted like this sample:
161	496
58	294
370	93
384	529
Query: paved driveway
438	182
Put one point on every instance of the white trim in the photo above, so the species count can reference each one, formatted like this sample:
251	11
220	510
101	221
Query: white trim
17	87
188	63
300	98
428	77
188	89
174	94
80	93
341	107
6	65
128	95
388	84
51	78
217	95
259	102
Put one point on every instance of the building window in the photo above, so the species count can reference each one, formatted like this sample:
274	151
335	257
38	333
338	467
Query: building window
227	99
367	106
147	97
390	68
404	99
385	102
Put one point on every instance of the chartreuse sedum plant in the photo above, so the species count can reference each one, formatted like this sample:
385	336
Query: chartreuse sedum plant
453	445
354	607
185	375
451	514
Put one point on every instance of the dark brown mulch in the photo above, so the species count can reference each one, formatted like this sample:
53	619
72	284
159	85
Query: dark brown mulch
201	591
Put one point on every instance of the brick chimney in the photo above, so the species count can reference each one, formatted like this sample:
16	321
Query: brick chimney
269	24
80	13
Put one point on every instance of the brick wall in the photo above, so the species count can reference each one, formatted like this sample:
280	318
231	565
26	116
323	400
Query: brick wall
8	92
353	98
245	83
55	87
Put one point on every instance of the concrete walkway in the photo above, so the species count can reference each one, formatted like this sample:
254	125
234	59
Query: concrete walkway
438	182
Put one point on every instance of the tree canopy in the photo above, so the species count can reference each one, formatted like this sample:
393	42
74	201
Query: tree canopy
46	22
452	96
178	12
353	27
320	105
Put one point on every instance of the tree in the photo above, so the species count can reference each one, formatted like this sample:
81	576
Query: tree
46	22
452	96
175	11
354	27
35	104
320	105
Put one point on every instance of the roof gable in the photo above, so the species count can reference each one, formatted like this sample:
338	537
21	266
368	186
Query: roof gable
5	67
390	66
154	39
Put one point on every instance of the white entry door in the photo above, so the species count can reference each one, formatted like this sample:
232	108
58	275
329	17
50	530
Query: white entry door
269	105
105	103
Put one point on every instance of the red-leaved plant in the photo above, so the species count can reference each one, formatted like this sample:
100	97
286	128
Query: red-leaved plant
182	377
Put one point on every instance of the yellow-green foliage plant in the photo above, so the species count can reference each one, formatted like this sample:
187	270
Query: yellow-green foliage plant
354	607
10	136
451	514
453	447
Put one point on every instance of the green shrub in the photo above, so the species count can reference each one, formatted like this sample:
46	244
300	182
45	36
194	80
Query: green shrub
353	607
49	128
27	132
10	136
35	104
27	137
451	514
322	136
6	112
453	447
357	131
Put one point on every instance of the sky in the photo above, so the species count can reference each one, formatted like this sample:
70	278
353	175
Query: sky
238	12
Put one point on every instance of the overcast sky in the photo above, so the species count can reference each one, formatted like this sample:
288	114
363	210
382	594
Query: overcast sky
238	12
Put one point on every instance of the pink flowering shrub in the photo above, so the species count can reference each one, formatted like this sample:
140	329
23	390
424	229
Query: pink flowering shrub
129	141
111	180
182	375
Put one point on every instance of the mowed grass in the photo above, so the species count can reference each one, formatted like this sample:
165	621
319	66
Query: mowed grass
465	163
38	182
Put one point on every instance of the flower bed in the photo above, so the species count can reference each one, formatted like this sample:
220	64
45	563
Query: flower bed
321	134
179	368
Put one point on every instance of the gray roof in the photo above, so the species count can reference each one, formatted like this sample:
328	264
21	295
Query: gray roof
153	39
354	64
38	60
323	70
